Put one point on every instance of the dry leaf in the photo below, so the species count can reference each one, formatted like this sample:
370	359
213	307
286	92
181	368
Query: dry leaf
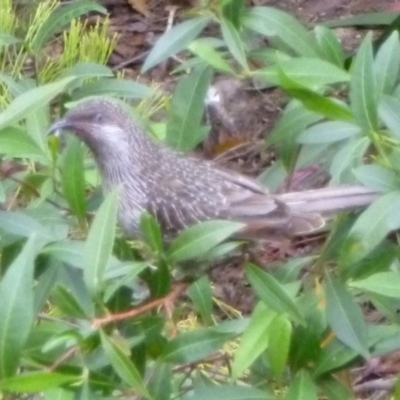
141	6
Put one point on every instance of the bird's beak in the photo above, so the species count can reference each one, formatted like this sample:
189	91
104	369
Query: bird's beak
59	127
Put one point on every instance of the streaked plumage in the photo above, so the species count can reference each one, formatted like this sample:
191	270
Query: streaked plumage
181	191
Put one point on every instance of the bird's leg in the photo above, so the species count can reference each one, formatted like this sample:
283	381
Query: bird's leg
151	305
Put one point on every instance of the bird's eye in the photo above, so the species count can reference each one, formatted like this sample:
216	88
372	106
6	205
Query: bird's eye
98	118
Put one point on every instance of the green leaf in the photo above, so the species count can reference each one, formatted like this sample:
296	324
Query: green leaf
201	294
387	64
345	317
100	241
372	227
335	390
184	129
117	87
15	143
272	22
363	94
329	108
365	19
197	240
327	132
271	292
16	307
73	178
232	10
302	387
175	40
293	121
151	232
36	382
312	73
194	346
6	39
389	113
67	303
384	283
279	333
329	46
160	381
23	225
234	43
350	156
377	177
335	355
254	340
88	70
123	366
36	126
61	17
207	53
231	392
33	99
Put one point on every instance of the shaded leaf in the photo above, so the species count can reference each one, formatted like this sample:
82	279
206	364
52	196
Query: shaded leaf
201	294
231	392
326	132
384	283
302	387
123	366
345	317
194	346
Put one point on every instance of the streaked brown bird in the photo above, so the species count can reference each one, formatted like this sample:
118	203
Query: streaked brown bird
181	191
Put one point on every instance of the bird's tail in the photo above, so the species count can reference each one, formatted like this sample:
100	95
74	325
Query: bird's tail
328	201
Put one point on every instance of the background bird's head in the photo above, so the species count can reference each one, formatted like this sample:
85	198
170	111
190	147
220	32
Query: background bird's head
105	125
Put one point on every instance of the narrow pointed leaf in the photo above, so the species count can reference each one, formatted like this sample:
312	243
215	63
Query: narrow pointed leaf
345	317
184	128
254	340
384	283
372	227
201	294
234	43
197	240
61	17
100	241
123	366
231	392
270	21
387	64
271	292
389	112
32	100
302	387
16	307
15	143
35	382
279	333
194	346
73	178
329	45
363	95
175	40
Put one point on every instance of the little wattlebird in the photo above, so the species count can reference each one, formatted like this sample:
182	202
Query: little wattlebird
180	191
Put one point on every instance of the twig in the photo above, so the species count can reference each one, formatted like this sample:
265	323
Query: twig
176	292
132	60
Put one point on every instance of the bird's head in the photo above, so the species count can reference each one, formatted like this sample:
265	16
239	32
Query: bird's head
103	124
